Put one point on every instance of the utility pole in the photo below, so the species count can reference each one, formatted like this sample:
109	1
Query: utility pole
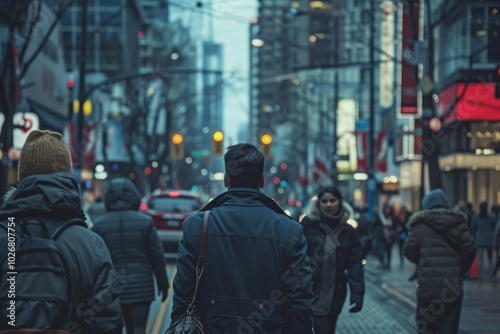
371	137
333	173
80	143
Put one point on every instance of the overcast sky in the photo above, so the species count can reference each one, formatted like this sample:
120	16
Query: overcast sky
230	20
231	30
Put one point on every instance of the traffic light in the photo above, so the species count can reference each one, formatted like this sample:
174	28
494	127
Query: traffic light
71	84
177	146
217	142
266	140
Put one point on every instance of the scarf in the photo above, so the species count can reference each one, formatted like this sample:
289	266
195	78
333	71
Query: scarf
332	220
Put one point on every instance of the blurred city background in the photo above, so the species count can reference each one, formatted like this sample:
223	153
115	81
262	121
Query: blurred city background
385	99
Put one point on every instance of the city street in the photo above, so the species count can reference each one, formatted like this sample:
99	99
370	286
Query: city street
389	305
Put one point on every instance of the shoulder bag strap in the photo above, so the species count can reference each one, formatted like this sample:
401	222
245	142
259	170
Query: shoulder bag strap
201	259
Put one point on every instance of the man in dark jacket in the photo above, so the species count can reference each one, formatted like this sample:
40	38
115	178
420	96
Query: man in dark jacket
257	276
440	242
49	193
136	251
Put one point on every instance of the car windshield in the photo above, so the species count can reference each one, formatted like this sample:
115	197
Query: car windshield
174	204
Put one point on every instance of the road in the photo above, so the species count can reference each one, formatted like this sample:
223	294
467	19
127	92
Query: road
389	304
380	313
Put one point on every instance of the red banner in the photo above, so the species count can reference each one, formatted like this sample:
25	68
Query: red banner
361	147
89	140
408	80
381	149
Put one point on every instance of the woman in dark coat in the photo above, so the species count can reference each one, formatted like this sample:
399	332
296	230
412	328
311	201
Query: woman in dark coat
336	256
136	252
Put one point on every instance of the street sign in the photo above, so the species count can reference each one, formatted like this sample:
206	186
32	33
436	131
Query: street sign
200	153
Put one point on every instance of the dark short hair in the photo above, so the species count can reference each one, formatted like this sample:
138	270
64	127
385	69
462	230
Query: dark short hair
245	165
330	190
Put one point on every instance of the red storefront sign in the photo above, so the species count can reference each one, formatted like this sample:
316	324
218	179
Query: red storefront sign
473	101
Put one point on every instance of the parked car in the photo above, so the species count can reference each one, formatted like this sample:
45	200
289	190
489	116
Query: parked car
169	209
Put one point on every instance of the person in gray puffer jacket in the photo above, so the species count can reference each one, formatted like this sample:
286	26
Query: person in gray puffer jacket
136	252
440	242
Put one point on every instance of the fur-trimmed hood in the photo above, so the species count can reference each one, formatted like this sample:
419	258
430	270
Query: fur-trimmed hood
442	219
312	211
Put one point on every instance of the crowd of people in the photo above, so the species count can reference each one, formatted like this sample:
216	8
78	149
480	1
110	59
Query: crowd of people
262	271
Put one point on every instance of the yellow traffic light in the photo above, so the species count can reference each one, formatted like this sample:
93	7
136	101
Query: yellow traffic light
266	140
218	136
177	146
217	142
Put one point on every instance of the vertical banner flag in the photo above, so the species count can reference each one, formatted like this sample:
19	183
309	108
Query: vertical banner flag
381	149
387	56
302	178
321	170
361	147
408	63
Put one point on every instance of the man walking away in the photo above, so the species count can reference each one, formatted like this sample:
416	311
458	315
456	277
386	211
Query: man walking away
136	251
257	276
440	242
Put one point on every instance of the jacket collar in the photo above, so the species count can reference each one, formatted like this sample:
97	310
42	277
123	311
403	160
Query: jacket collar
246	195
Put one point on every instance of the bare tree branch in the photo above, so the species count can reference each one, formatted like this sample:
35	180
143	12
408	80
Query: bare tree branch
61	10
30	33
8	49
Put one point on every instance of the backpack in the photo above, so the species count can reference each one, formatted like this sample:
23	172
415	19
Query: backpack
38	262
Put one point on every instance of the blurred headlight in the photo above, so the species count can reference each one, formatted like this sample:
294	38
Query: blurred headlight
352	222
301	217
288	212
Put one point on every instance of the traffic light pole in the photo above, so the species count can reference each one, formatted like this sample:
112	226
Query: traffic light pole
80	143
372	184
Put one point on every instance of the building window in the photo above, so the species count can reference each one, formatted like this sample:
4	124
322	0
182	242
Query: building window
494	34
478	35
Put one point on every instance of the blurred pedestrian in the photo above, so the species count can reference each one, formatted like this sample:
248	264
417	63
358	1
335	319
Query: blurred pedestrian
96	209
483	228
257	275
385	232
46	199
496	245
364	231
440	242
136	252
336	256
401	225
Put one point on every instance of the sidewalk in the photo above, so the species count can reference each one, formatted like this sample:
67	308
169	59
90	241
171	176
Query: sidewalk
481	306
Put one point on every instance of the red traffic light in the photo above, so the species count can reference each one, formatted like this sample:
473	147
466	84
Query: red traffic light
71	84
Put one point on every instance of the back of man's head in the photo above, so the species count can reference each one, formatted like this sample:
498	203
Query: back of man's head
434	200
244	166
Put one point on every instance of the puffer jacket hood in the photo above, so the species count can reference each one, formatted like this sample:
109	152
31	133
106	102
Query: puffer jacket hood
435	199
312	210
440	219
45	195
122	195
